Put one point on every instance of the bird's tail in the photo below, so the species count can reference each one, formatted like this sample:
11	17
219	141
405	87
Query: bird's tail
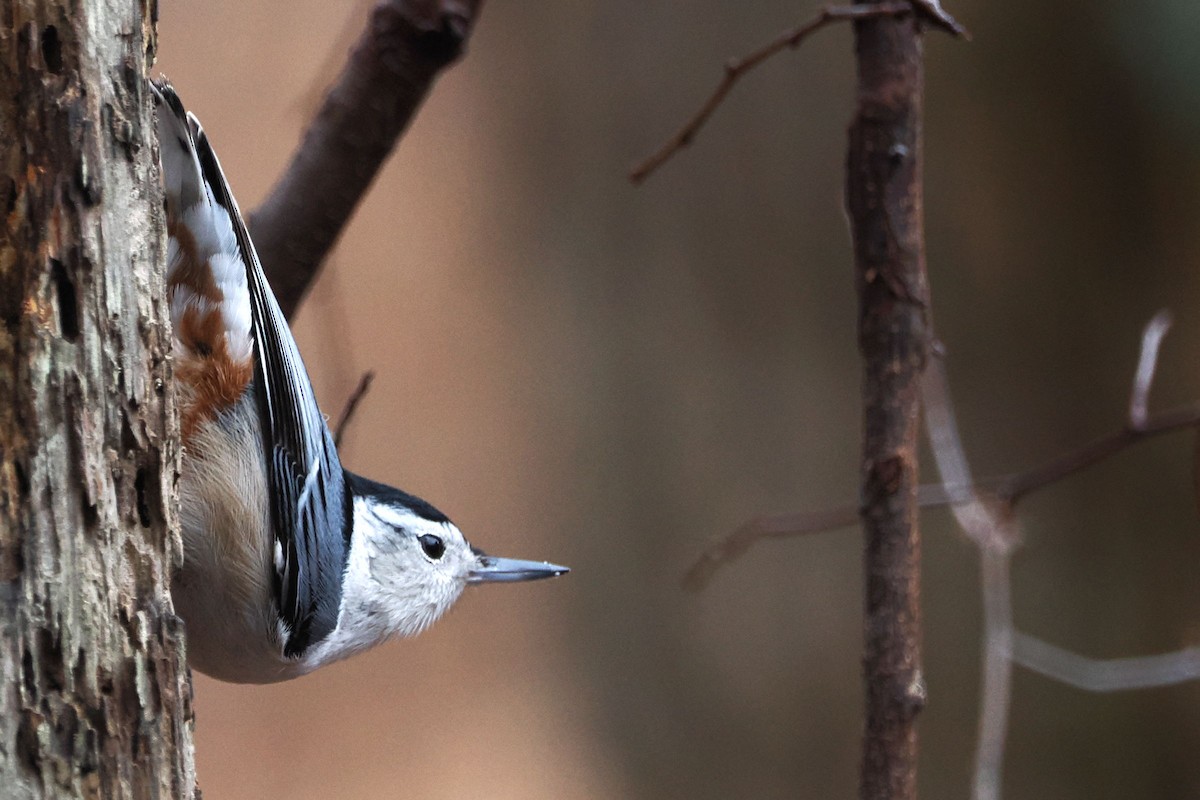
206	273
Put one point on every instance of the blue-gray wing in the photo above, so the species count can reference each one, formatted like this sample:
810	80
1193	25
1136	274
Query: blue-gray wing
310	506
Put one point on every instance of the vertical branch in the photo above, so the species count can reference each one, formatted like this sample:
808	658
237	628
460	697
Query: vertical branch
883	198
996	689
988	520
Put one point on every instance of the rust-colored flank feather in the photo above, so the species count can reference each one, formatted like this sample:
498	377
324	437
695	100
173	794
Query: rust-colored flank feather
215	380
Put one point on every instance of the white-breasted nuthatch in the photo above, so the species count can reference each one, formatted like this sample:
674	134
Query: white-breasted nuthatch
290	561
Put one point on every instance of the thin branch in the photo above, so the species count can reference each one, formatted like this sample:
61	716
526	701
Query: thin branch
734	546
986	514
1015	487
988	524
883	203
1118	674
729	548
1143	376
1139	425
405	45
995	694
360	391
1009	489
1006	490
790	39
1106	675
992	527
737	67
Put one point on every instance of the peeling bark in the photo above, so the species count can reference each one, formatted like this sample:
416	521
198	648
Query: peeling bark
95	697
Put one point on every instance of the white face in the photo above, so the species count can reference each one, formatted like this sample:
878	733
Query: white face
412	568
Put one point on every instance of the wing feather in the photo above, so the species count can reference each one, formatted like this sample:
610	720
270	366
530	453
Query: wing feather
310	508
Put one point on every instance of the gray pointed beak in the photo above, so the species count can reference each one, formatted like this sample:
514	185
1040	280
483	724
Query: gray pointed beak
490	569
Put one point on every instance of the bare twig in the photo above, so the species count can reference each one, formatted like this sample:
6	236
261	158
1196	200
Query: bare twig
1015	487
986	521
737	67
405	45
1007	490
992	527
995	693
1143	376
1116	674
985	511
360	391
986	514
729	548
884	206
733	546
1106	675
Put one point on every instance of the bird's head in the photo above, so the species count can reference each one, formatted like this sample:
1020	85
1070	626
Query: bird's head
414	563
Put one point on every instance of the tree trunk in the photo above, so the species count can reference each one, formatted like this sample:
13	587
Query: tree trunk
95	697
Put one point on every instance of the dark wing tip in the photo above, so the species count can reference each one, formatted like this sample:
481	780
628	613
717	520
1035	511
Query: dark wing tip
165	93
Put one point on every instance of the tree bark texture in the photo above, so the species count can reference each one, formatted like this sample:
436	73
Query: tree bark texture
883	198
95	697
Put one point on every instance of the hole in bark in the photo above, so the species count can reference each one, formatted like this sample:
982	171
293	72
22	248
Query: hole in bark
91	514
27	673
68	305
143	507
28	752
50	655
24	37
52	49
8	194
12	563
129	442
79	668
22	478
67	723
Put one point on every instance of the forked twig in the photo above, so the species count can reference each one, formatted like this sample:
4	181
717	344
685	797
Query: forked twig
736	68
986	514
1005	491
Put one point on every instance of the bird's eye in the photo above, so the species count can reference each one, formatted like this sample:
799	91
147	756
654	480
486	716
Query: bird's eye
432	545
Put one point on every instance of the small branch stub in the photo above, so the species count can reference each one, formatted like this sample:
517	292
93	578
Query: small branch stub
348	411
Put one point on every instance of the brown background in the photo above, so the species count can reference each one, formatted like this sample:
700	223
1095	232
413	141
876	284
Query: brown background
609	377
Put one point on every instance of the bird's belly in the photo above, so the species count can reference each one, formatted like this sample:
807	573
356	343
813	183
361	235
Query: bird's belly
223	590
223	641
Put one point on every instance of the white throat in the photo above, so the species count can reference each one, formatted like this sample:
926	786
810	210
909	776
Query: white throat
390	589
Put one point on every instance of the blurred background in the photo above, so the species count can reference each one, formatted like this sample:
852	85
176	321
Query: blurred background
610	378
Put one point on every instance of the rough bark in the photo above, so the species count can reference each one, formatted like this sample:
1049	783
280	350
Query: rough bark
95	698
404	47
883	197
